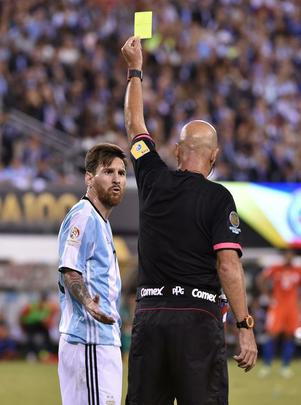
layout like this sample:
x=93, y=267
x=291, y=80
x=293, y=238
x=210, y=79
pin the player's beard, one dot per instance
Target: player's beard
x=108, y=198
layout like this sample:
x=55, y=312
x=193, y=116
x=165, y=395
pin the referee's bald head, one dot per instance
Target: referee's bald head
x=198, y=147
x=199, y=134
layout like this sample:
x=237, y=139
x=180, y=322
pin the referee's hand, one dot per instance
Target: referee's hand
x=247, y=357
x=93, y=308
x=132, y=53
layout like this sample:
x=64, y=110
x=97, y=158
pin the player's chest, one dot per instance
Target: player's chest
x=287, y=280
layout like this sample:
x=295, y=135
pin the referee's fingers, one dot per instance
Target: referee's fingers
x=251, y=363
x=240, y=357
x=246, y=359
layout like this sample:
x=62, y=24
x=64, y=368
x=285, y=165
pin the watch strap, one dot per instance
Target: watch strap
x=135, y=73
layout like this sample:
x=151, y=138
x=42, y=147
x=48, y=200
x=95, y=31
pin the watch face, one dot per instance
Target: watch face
x=249, y=321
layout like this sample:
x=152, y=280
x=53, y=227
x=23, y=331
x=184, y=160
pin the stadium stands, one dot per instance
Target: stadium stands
x=232, y=62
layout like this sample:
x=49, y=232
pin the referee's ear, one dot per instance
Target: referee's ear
x=214, y=156
x=177, y=152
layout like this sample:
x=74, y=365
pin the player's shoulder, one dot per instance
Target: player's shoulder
x=78, y=221
x=83, y=208
x=81, y=213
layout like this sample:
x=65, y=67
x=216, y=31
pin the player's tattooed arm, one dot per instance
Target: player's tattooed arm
x=76, y=286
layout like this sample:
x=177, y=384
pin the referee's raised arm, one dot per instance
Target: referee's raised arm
x=133, y=108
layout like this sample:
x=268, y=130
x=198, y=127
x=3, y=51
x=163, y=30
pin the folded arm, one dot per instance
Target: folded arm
x=74, y=282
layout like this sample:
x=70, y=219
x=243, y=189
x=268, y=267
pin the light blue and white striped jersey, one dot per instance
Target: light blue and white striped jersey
x=86, y=245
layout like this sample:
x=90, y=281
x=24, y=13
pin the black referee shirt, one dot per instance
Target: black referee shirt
x=184, y=220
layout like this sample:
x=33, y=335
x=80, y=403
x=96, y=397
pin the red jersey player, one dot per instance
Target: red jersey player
x=283, y=311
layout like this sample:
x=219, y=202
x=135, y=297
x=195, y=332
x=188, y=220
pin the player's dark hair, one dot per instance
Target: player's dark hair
x=103, y=154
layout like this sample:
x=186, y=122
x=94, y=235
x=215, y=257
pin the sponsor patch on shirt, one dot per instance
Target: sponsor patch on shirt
x=234, y=221
x=139, y=149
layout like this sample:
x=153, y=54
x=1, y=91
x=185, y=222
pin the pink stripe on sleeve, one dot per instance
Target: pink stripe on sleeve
x=227, y=245
x=142, y=136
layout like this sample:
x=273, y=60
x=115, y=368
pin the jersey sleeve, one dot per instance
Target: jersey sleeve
x=76, y=241
x=226, y=225
x=146, y=161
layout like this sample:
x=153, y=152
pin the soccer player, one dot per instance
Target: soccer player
x=188, y=247
x=90, y=366
x=283, y=311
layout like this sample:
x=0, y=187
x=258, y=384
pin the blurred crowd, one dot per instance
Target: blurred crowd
x=235, y=63
x=30, y=330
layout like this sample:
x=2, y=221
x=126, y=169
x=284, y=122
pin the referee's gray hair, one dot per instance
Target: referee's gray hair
x=103, y=154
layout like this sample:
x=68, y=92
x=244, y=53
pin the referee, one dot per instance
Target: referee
x=188, y=249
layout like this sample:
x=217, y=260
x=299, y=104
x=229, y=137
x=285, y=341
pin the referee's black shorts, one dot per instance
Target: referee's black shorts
x=177, y=352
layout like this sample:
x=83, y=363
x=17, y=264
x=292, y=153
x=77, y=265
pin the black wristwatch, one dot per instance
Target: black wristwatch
x=135, y=73
x=247, y=322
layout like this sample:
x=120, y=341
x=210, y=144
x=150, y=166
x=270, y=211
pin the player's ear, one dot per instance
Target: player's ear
x=88, y=179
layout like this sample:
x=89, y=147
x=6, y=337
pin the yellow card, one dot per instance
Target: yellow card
x=143, y=24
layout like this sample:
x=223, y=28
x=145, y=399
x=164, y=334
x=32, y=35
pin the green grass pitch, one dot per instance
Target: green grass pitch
x=37, y=384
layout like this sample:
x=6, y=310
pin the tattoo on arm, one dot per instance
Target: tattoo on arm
x=75, y=284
